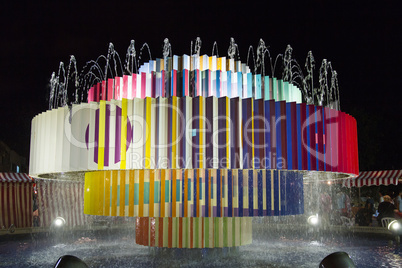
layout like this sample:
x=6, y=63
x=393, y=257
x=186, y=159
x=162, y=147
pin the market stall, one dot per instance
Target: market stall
x=16, y=200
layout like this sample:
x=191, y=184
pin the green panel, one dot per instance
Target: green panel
x=136, y=193
x=196, y=230
x=178, y=187
x=146, y=193
x=225, y=232
x=157, y=192
x=167, y=191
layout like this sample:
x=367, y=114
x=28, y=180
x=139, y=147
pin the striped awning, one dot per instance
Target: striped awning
x=15, y=177
x=372, y=178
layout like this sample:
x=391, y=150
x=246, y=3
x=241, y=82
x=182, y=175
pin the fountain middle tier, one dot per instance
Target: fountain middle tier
x=199, y=132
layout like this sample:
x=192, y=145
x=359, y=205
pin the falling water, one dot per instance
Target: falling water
x=251, y=50
x=233, y=50
x=197, y=47
x=287, y=64
x=130, y=58
x=309, y=79
x=145, y=45
x=166, y=52
x=109, y=66
x=215, y=45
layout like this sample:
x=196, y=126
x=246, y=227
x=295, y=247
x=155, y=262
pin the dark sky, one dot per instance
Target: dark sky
x=362, y=41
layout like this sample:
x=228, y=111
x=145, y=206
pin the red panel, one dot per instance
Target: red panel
x=103, y=90
x=152, y=232
x=294, y=134
x=91, y=94
x=160, y=236
x=125, y=86
x=327, y=138
x=320, y=153
x=311, y=124
x=335, y=140
x=283, y=134
x=273, y=133
x=110, y=85
x=304, y=135
x=117, y=88
x=97, y=91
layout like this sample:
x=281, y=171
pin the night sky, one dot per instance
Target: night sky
x=362, y=41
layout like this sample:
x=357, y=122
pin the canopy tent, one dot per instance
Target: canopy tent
x=16, y=191
x=374, y=178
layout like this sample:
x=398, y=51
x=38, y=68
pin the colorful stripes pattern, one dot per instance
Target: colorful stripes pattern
x=194, y=133
x=16, y=204
x=194, y=232
x=195, y=76
x=188, y=193
x=377, y=178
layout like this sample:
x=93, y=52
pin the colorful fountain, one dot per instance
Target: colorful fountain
x=192, y=146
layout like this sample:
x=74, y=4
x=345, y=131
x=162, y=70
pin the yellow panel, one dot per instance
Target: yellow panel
x=123, y=139
x=122, y=174
x=141, y=194
x=131, y=194
x=162, y=202
x=148, y=133
x=174, y=131
x=151, y=192
x=115, y=174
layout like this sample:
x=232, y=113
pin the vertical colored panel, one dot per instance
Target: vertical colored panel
x=123, y=134
x=141, y=194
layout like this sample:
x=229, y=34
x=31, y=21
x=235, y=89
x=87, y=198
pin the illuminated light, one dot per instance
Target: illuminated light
x=394, y=226
x=59, y=222
x=313, y=220
x=329, y=182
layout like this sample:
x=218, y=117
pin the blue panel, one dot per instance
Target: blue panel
x=218, y=84
x=299, y=145
x=266, y=87
x=250, y=193
x=276, y=193
x=250, y=85
x=195, y=194
x=218, y=192
x=257, y=89
x=268, y=191
x=278, y=134
x=283, y=192
x=300, y=192
x=200, y=185
x=229, y=84
x=230, y=196
x=240, y=84
x=267, y=134
x=290, y=192
x=246, y=115
x=240, y=192
x=315, y=137
x=259, y=191
x=289, y=135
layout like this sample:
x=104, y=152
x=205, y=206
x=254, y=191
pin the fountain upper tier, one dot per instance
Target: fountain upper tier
x=71, y=86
